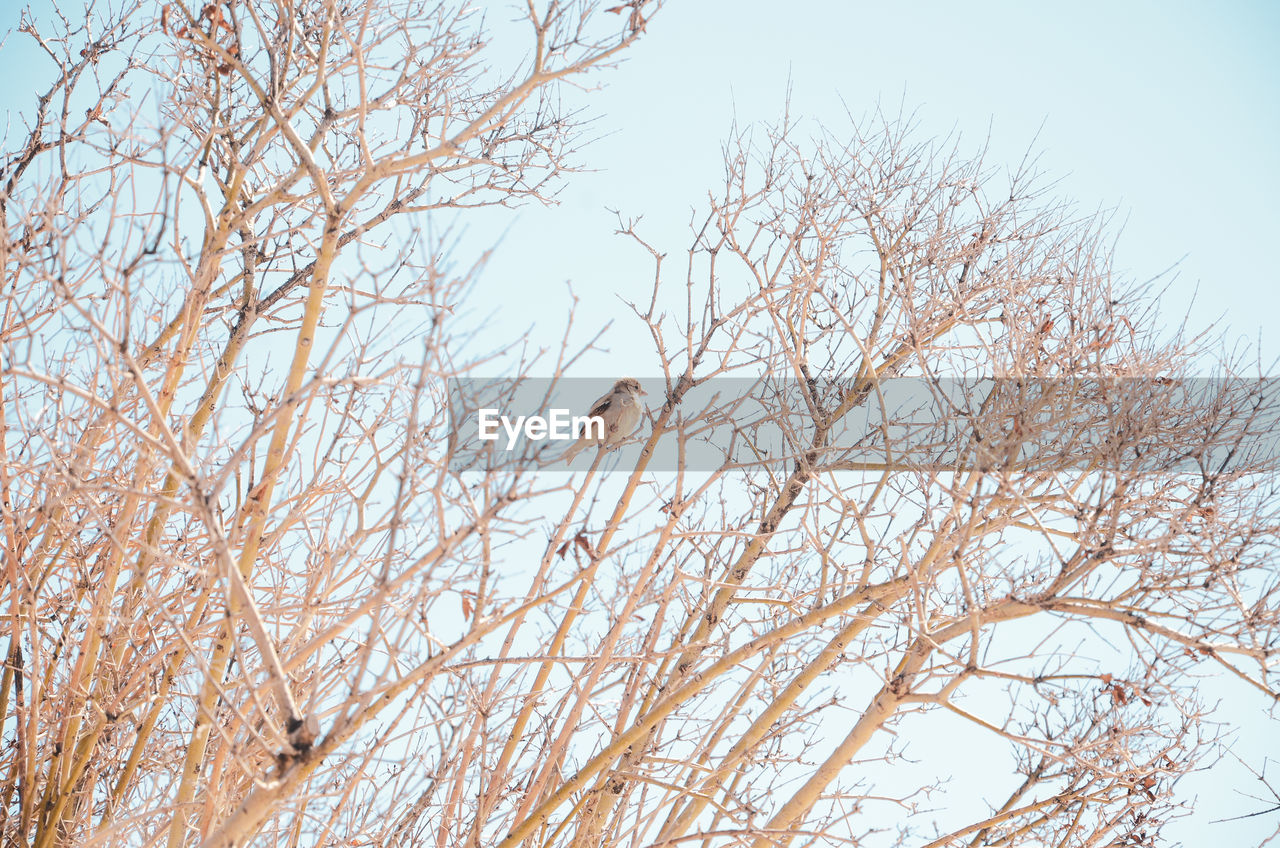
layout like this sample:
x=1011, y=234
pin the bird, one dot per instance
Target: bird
x=620, y=410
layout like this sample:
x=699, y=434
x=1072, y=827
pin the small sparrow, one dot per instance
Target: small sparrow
x=620, y=409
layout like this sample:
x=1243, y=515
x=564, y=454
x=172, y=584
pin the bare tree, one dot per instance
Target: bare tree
x=253, y=594
x=211, y=525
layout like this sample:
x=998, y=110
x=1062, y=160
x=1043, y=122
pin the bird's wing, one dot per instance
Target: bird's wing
x=601, y=404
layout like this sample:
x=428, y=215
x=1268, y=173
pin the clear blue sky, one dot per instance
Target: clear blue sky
x=1168, y=112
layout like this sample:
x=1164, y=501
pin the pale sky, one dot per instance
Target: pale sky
x=1165, y=112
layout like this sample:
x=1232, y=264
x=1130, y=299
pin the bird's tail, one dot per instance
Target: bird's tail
x=574, y=449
